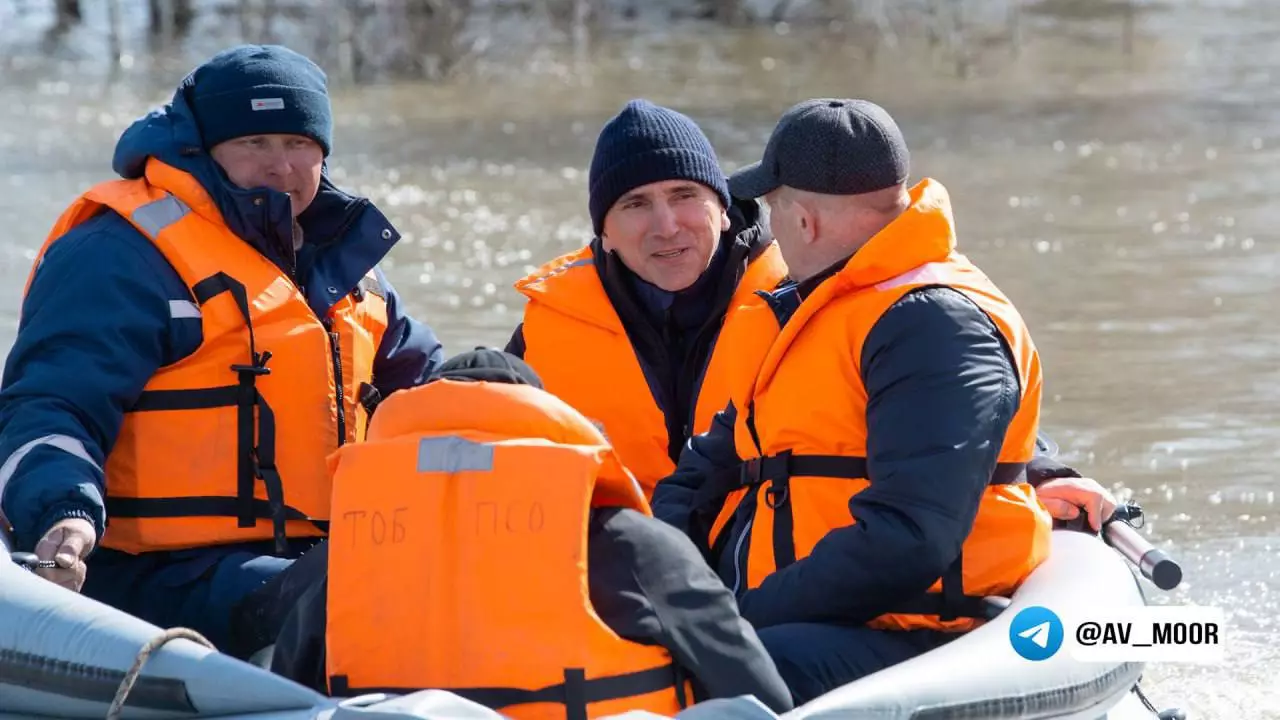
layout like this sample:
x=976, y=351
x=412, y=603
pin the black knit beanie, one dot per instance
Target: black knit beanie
x=648, y=143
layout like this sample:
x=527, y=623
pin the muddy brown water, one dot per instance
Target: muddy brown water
x=1120, y=191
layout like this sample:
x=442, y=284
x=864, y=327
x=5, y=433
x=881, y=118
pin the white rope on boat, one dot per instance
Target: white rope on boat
x=131, y=677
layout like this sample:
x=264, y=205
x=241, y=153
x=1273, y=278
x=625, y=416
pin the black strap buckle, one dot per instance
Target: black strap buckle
x=259, y=366
x=774, y=469
x=369, y=398
x=769, y=467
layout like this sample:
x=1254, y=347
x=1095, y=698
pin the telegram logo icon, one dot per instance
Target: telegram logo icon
x=1036, y=633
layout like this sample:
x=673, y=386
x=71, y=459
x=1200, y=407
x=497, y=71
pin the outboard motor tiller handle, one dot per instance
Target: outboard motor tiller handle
x=1155, y=564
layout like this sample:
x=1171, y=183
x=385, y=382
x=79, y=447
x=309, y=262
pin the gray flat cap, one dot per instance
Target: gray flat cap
x=829, y=146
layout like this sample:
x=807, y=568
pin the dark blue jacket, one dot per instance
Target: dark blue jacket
x=942, y=389
x=96, y=323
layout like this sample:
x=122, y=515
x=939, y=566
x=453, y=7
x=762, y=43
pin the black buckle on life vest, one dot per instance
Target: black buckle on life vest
x=775, y=468
x=259, y=366
x=757, y=470
x=369, y=398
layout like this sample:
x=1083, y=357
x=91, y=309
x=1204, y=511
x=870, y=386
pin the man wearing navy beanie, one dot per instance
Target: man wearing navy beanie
x=645, y=144
x=197, y=336
x=625, y=328
x=252, y=95
x=260, y=90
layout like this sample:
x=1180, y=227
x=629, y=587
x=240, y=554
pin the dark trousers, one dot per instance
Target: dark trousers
x=197, y=589
x=815, y=659
x=257, y=620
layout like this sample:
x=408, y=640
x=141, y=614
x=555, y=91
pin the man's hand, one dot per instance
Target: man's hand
x=1065, y=497
x=67, y=543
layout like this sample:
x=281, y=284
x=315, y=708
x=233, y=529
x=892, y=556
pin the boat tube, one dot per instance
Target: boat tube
x=64, y=655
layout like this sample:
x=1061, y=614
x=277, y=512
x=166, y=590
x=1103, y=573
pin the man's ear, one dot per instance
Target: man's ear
x=724, y=220
x=807, y=219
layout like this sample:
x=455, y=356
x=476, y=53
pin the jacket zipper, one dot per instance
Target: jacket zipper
x=335, y=344
x=335, y=339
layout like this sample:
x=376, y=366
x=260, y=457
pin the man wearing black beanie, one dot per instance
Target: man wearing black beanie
x=196, y=336
x=625, y=328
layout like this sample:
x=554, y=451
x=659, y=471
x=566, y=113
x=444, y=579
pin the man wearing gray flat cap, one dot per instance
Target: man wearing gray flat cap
x=885, y=416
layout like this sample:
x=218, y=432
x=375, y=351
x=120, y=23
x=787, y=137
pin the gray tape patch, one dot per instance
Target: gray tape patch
x=453, y=454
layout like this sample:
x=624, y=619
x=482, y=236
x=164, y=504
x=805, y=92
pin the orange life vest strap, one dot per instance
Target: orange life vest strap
x=777, y=470
x=256, y=456
x=575, y=693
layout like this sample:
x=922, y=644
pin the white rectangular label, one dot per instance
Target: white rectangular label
x=267, y=103
x=1154, y=634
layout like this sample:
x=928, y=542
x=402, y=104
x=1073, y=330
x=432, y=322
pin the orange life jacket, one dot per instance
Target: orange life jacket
x=803, y=432
x=228, y=444
x=576, y=342
x=457, y=558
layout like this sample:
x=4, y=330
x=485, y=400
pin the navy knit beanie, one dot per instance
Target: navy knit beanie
x=647, y=143
x=259, y=90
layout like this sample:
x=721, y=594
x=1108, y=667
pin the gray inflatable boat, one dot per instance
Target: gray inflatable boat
x=65, y=656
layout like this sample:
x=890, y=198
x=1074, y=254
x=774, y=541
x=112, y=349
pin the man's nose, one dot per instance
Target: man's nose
x=664, y=221
x=277, y=162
